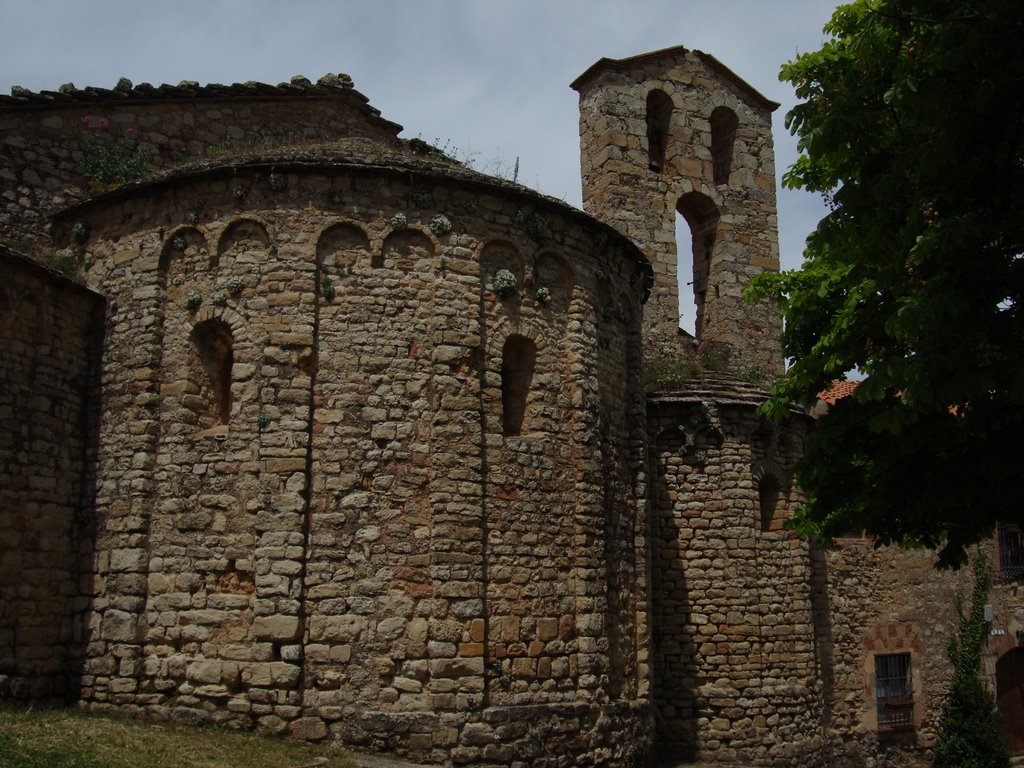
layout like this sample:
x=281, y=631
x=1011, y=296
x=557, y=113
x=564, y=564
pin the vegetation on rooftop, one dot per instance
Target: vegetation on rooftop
x=669, y=367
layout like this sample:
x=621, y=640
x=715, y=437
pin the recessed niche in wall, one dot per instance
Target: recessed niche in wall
x=518, y=358
x=341, y=247
x=552, y=273
x=768, y=494
x=407, y=250
x=184, y=251
x=211, y=360
x=723, y=136
x=243, y=236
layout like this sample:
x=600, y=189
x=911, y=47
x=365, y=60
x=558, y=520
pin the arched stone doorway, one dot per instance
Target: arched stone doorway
x=1010, y=697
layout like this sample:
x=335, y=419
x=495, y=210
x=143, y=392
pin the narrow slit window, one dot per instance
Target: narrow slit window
x=517, y=363
x=659, y=125
x=723, y=136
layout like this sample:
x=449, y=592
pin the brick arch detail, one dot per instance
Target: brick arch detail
x=167, y=248
x=885, y=638
x=232, y=319
x=237, y=223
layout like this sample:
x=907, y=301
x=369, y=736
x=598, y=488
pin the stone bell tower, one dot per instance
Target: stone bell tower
x=676, y=131
x=733, y=668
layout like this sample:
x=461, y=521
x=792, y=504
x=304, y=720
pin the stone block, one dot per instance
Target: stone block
x=455, y=668
x=275, y=627
x=308, y=729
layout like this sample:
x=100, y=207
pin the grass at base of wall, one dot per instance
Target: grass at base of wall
x=72, y=738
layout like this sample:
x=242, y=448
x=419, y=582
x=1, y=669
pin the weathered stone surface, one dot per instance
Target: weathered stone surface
x=50, y=335
x=275, y=627
x=653, y=151
x=295, y=484
x=367, y=457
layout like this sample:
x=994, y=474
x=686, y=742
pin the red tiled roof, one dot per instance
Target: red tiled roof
x=837, y=391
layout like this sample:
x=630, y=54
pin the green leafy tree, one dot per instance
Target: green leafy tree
x=971, y=737
x=911, y=125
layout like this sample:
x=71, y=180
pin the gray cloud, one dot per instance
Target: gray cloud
x=491, y=78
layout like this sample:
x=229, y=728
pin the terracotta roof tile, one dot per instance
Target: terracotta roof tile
x=838, y=390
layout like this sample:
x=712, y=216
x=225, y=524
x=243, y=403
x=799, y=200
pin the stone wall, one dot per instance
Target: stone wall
x=349, y=491
x=882, y=601
x=1004, y=660
x=368, y=457
x=46, y=137
x=675, y=131
x=732, y=614
x=52, y=337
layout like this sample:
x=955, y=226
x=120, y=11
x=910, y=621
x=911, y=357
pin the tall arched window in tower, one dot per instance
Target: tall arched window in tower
x=517, y=362
x=212, y=359
x=701, y=216
x=723, y=136
x=659, y=125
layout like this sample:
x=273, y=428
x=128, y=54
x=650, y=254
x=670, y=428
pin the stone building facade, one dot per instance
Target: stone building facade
x=344, y=440
x=52, y=332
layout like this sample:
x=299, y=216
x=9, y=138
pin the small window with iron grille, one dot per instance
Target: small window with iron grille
x=1011, y=551
x=894, y=692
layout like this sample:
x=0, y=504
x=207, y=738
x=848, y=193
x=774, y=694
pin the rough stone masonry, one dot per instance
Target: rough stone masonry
x=343, y=440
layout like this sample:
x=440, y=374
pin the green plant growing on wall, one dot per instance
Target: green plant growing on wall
x=110, y=162
x=664, y=371
x=755, y=374
x=424, y=198
x=534, y=224
x=66, y=262
x=80, y=232
x=328, y=289
x=218, y=149
x=971, y=735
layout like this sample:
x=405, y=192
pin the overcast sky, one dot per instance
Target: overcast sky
x=489, y=78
